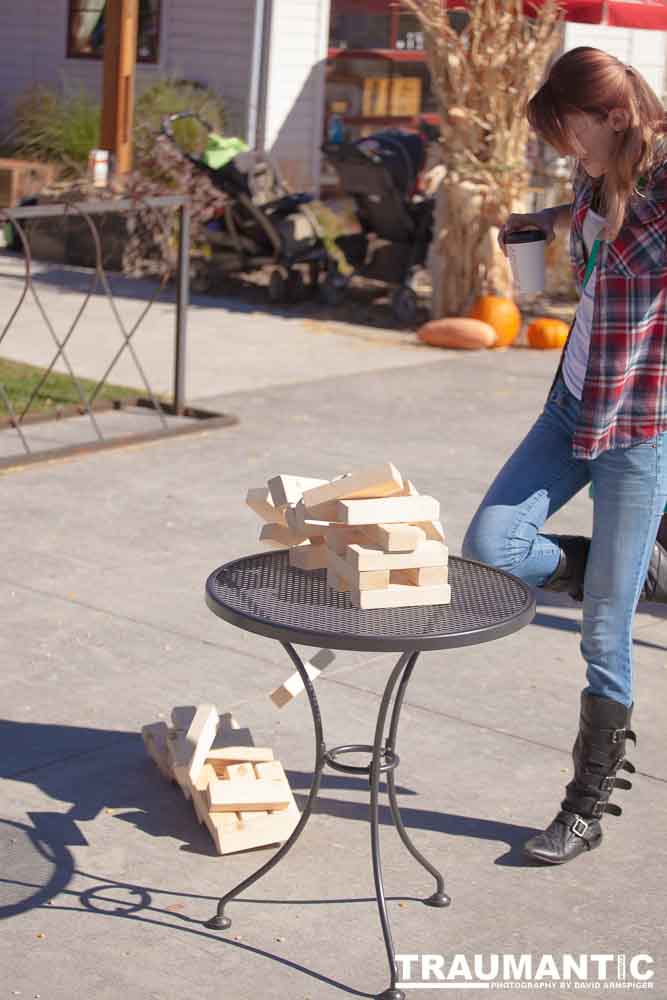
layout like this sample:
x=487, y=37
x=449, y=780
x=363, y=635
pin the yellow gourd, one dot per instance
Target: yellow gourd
x=547, y=333
x=502, y=314
x=457, y=332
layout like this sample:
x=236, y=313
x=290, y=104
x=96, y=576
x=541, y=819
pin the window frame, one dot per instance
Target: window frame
x=71, y=53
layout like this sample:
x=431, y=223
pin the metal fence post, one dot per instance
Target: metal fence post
x=182, y=301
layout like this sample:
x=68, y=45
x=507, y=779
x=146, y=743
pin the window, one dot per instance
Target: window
x=359, y=30
x=85, y=30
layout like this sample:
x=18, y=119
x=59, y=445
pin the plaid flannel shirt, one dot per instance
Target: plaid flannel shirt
x=624, y=397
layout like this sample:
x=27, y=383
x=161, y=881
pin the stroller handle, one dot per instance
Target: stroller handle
x=167, y=122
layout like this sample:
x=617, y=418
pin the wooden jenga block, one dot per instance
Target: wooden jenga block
x=429, y=553
x=281, y=535
x=289, y=489
x=182, y=716
x=377, y=481
x=198, y=791
x=391, y=509
x=259, y=499
x=231, y=733
x=335, y=582
x=296, y=519
x=310, y=556
x=433, y=530
x=409, y=489
x=427, y=576
x=394, y=537
x=245, y=796
x=293, y=686
x=178, y=754
x=200, y=737
x=233, y=832
x=399, y=596
x=155, y=741
x=372, y=580
x=219, y=757
x=339, y=536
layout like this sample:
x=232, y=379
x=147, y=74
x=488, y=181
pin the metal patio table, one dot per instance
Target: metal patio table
x=264, y=594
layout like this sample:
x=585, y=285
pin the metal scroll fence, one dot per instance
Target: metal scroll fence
x=88, y=400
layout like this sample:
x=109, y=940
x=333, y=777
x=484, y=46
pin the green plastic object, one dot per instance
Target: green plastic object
x=220, y=150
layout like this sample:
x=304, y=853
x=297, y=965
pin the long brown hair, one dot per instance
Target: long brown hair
x=590, y=80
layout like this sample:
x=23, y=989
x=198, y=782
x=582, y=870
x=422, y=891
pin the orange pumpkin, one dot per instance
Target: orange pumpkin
x=502, y=314
x=546, y=333
x=458, y=332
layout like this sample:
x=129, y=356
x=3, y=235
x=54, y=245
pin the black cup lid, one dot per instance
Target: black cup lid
x=525, y=236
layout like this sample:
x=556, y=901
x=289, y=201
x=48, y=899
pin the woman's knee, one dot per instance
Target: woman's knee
x=486, y=540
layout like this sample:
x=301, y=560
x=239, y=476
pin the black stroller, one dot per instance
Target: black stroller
x=262, y=223
x=380, y=172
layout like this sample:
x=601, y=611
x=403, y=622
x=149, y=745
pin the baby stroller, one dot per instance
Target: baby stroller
x=262, y=223
x=380, y=172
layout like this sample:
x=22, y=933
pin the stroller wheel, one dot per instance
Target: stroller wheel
x=404, y=306
x=277, y=287
x=333, y=288
x=296, y=286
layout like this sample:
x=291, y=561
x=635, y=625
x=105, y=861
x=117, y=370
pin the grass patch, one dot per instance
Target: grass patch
x=19, y=381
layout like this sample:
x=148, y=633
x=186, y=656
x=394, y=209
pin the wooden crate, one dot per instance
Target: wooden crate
x=22, y=179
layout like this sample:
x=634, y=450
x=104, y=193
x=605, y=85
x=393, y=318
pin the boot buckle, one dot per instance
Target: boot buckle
x=607, y=784
x=579, y=826
x=598, y=809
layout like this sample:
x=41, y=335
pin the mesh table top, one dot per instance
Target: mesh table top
x=264, y=594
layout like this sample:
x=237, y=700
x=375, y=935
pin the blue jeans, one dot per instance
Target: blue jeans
x=630, y=489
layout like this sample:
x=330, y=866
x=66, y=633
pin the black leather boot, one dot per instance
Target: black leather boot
x=598, y=754
x=569, y=574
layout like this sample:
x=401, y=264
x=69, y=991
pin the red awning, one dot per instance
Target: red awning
x=650, y=14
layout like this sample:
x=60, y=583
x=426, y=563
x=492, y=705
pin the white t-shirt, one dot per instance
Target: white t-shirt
x=576, y=355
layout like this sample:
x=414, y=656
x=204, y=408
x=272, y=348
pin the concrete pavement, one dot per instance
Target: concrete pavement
x=107, y=876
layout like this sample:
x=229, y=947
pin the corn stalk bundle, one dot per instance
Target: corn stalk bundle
x=482, y=79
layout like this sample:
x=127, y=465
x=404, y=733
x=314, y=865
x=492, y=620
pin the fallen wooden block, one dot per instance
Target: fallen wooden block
x=377, y=481
x=363, y=558
x=234, y=832
x=400, y=596
x=409, y=489
x=200, y=737
x=338, y=583
x=394, y=537
x=259, y=499
x=293, y=686
x=221, y=756
x=198, y=792
x=289, y=489
x=391, y=509
x=237, y=796
x=433, y=530
x=182, y=716
x=297, y=521
x=310, y=556
x=155, y=741
x=427, y=576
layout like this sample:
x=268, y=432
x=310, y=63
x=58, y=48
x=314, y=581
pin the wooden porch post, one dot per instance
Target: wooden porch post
x=120, y=52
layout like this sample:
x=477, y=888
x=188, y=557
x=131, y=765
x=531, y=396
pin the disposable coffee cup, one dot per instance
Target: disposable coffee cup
x=525, y=248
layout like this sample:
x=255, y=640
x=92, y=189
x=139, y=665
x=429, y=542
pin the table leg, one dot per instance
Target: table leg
x=220, y=921
x=439, y=897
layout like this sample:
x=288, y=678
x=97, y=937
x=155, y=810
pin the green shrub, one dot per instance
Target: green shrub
x=168, y=97
x=55, y=127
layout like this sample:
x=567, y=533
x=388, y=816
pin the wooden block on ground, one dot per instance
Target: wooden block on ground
x=155, y=741
x=200, y=737
x=259, y=499
x=399, y=596
x=177, y=751
x=308, y=557
x=377, y=481
x=280, y=534
x=220, y=756
x=231, y=734
x=198, y=792
x=371, y=580
x=237, y=796
x=394, y=537
x=363, y=558
x=409, y=489
x=289, y=489
x=255, y=829
x=182, y=716
x=427, y=576
x=391, y=509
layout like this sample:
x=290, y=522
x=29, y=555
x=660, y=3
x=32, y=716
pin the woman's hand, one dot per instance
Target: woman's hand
x=543, y=220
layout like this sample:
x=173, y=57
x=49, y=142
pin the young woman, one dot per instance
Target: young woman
x=605, y=417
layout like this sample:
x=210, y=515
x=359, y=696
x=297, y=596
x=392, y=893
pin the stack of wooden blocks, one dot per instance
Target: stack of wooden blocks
x=237, y=789
x=377, y=537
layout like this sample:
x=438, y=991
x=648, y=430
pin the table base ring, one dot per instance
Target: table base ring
x=390, y=759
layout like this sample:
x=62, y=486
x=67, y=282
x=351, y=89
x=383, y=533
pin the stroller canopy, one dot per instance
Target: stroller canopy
x=402, y=153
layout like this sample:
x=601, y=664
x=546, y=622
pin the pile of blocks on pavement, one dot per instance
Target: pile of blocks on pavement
x=237, y=789
x=379, y=540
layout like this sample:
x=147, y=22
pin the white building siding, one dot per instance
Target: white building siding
x=295, y=88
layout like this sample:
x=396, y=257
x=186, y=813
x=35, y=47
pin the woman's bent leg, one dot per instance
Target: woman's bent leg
x=536, y=481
